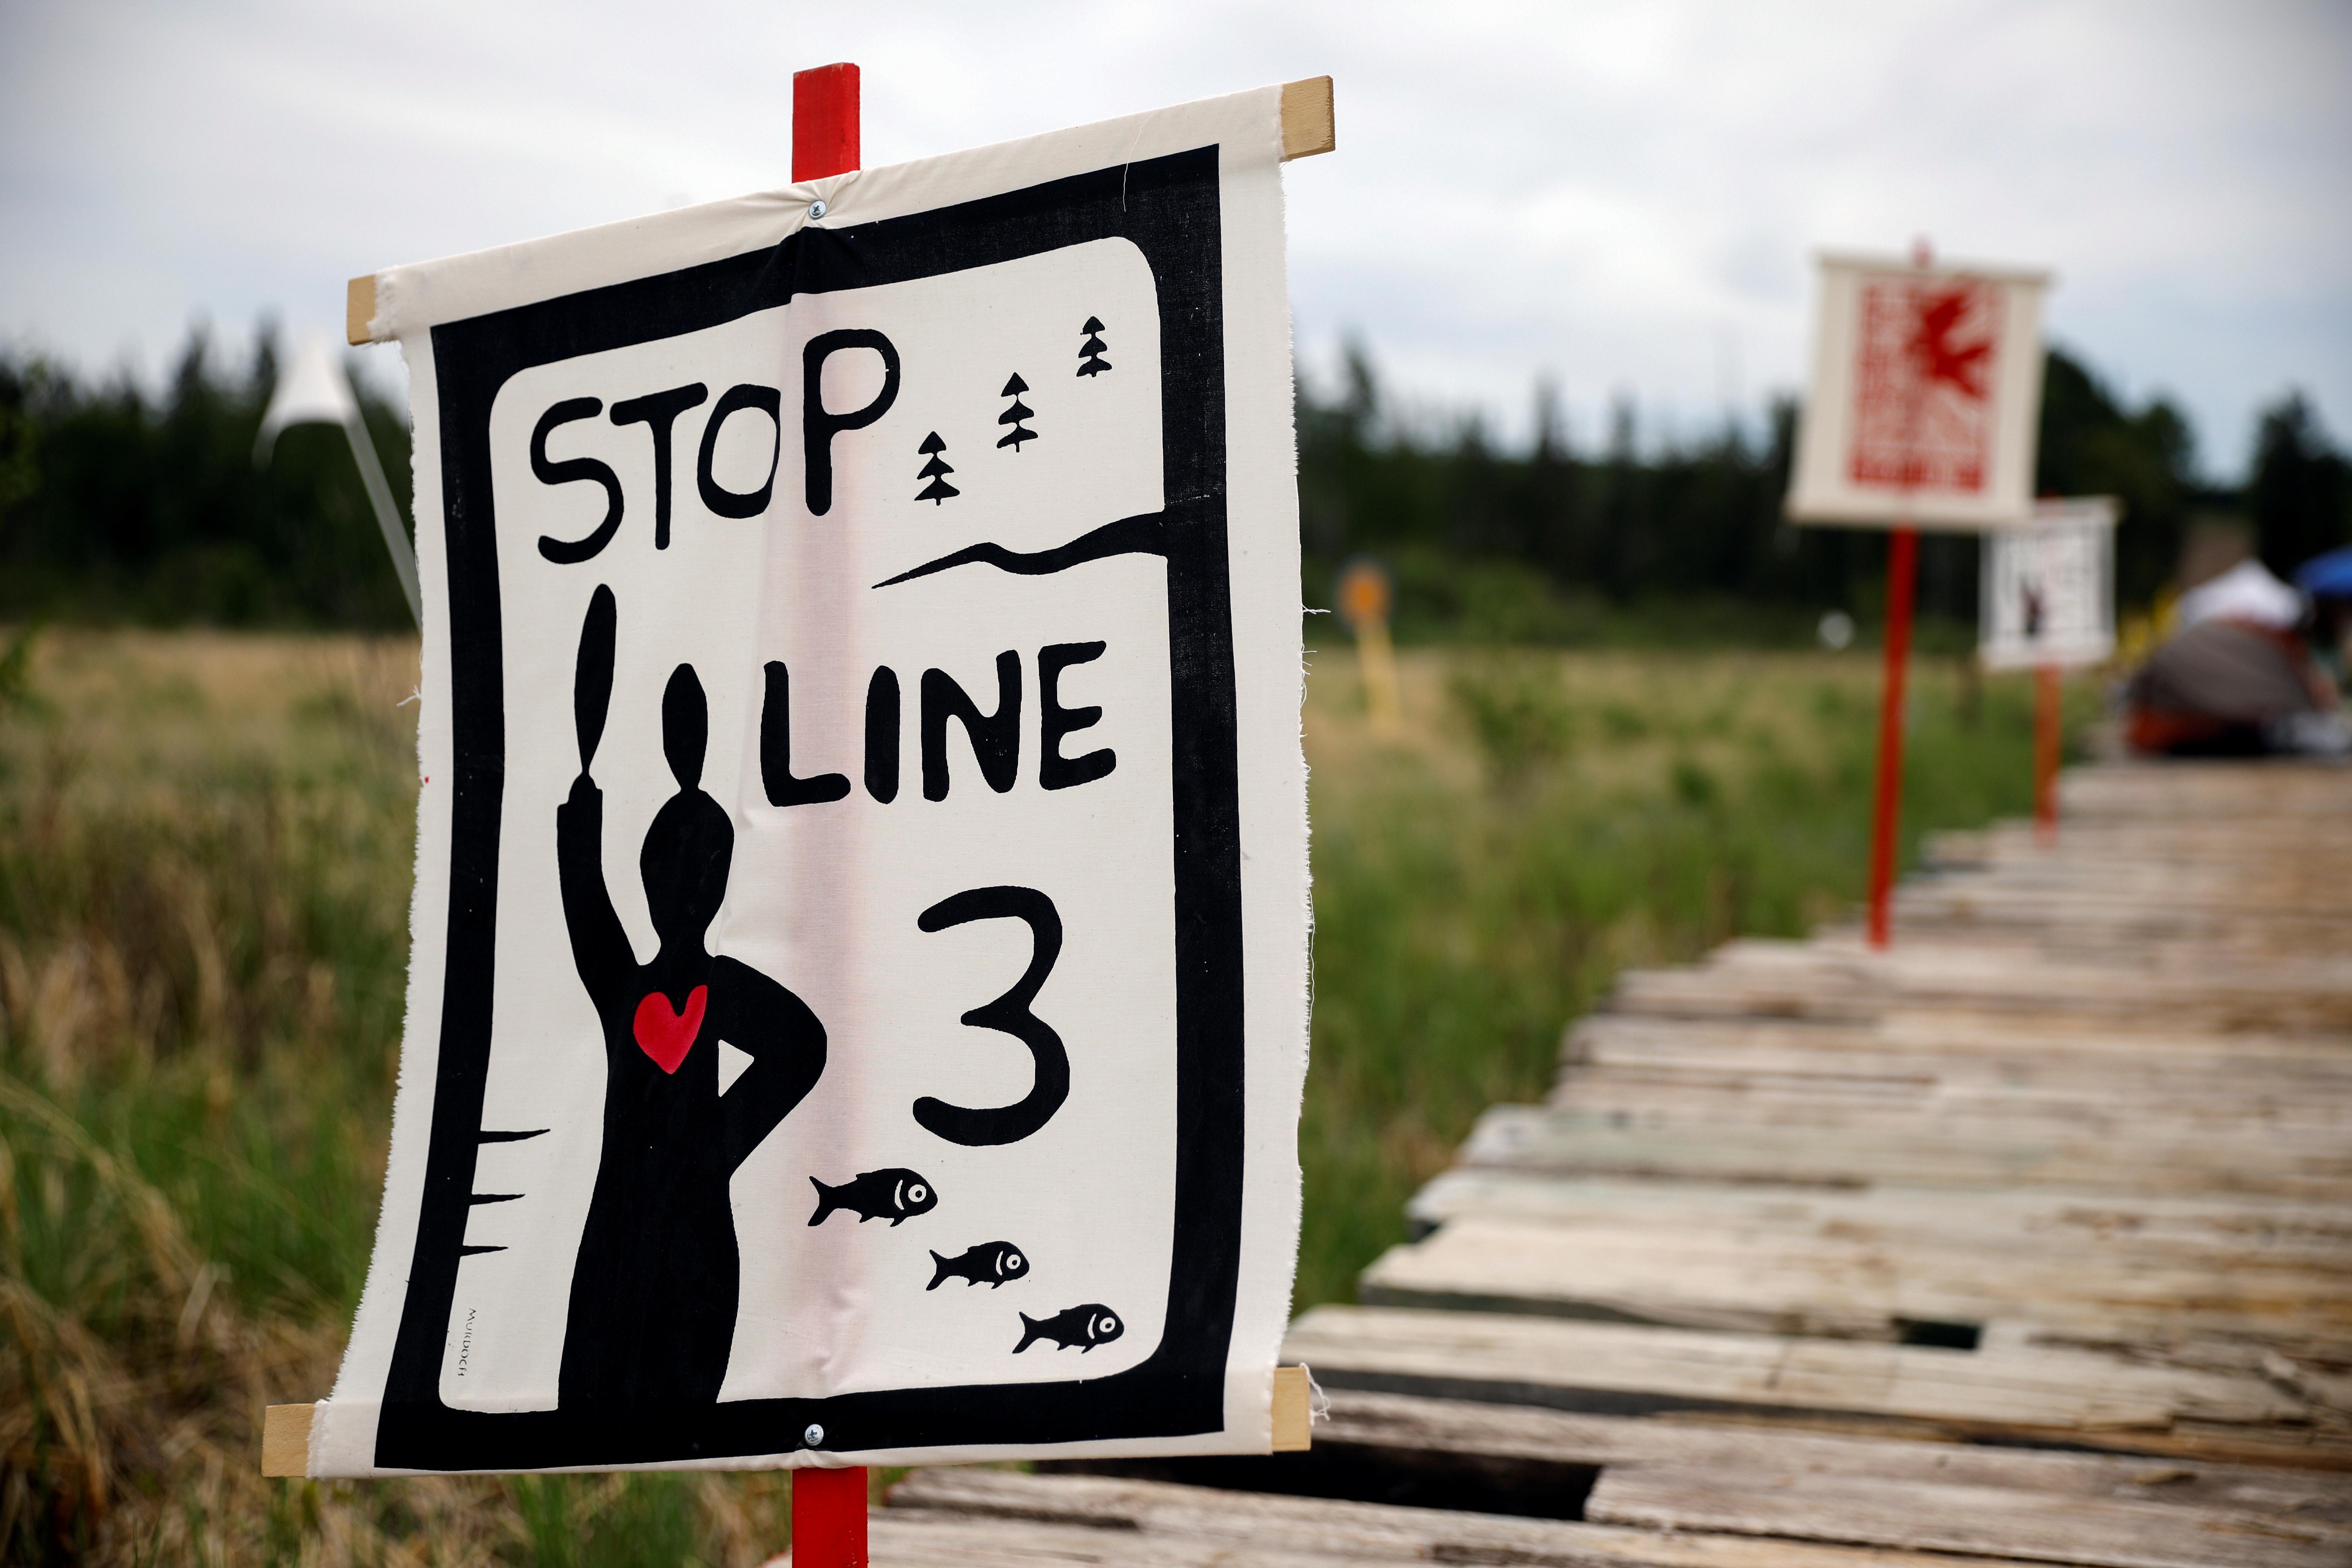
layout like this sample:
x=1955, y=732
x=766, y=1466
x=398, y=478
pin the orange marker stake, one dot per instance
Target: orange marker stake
x=2046, y=737
x=1364, y=605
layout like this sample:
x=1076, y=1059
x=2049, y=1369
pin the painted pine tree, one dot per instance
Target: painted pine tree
x=1015, y=415
x=935, y=470
x=1090, y=352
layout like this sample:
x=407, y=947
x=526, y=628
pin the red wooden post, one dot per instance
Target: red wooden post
x=1902, y=576
x=829, y=1518
x=2046, y=725
x=824, y=122
x=828, y=1505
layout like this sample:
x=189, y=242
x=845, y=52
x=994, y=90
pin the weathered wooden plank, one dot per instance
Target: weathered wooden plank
x=2225, y=1230
x=940, y=1515
x=2278, y=1273
x=1673, y=995
x=1395, y=1424
x=1985, y=1155
x=2050, y=1395
x=1988, y=1502
x=2272, y=1119
x=1953, y=1046
x=1832, y=985
x=2127, y=1532
x=1851, y=1282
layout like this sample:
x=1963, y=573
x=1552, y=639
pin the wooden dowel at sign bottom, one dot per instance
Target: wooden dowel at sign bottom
x=286, y=1440
x=286, y=1428
x=1294, y=1416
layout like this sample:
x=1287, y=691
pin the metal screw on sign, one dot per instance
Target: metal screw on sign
x=814, y=1435
x=816, y=211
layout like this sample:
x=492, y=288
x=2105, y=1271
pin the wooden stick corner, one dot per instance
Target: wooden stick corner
x=359, y=309
x=1294, y=1420
x=1307, y=124
x=286, y=1440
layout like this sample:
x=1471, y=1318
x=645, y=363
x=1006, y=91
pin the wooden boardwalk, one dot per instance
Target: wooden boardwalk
x=2029, y=1242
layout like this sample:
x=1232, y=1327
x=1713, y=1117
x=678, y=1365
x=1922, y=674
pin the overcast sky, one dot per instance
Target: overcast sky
x=1623, y=197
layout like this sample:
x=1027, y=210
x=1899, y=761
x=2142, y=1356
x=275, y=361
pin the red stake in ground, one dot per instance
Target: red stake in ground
x=2046, y=730
x=828, y=1505
x=1902, y=576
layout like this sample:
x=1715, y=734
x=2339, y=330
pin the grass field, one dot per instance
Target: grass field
x=206, y=845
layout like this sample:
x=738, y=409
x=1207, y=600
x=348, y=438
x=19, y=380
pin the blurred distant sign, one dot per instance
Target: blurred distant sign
x=2049, y=588
x=1927, y=387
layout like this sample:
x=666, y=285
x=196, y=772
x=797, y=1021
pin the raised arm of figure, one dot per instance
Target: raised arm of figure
x=600, y=945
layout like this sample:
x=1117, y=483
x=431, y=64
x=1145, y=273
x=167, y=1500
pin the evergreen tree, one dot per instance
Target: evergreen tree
x=1091, y=351
x=935, y=470
x=2302, y=491
x=1015, y=415
x=2091, y=445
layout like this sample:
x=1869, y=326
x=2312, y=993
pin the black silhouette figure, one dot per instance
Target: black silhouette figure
x=935, y=470
x=1090, y=352
x=1015, y=415
x=2033, y=611
x=654, y=1293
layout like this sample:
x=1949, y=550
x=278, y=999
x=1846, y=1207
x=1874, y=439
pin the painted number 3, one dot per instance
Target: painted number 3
x=1009, y=1013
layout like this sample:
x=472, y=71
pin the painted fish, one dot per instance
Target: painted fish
x=991, y=1263
x=894, y=1194
x=1087, y=1326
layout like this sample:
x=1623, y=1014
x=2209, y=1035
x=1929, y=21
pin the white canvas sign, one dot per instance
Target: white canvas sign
x=857, y=999
x=1926, y=392
x=2049, y=588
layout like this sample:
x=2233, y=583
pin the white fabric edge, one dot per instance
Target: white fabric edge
x=1262, y=517
x=416, y=297
x=343, y=1427
x=1263, y=548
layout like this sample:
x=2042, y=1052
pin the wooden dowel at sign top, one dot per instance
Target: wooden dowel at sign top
x=286, y=1428
x=359, y=310
x=1307, y=124
x=1307, y=129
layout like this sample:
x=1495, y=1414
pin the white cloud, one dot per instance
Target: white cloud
x=1622, y=196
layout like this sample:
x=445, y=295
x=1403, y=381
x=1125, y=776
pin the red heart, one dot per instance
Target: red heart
x=665, y=1036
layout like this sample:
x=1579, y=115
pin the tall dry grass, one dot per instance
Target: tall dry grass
x=204, y=863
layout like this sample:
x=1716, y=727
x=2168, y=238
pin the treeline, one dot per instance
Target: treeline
x=1686, y=539
x=116, y=504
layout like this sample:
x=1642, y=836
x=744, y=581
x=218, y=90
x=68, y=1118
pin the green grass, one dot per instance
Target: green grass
x=1549, y=819
x=206, y=846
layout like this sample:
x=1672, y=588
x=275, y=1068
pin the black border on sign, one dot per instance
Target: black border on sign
x=1169, y=207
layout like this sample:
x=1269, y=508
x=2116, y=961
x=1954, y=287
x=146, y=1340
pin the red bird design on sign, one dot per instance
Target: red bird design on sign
x=1922, y=402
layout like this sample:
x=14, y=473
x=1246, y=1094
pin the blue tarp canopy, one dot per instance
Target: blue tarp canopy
x=2327, y=576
